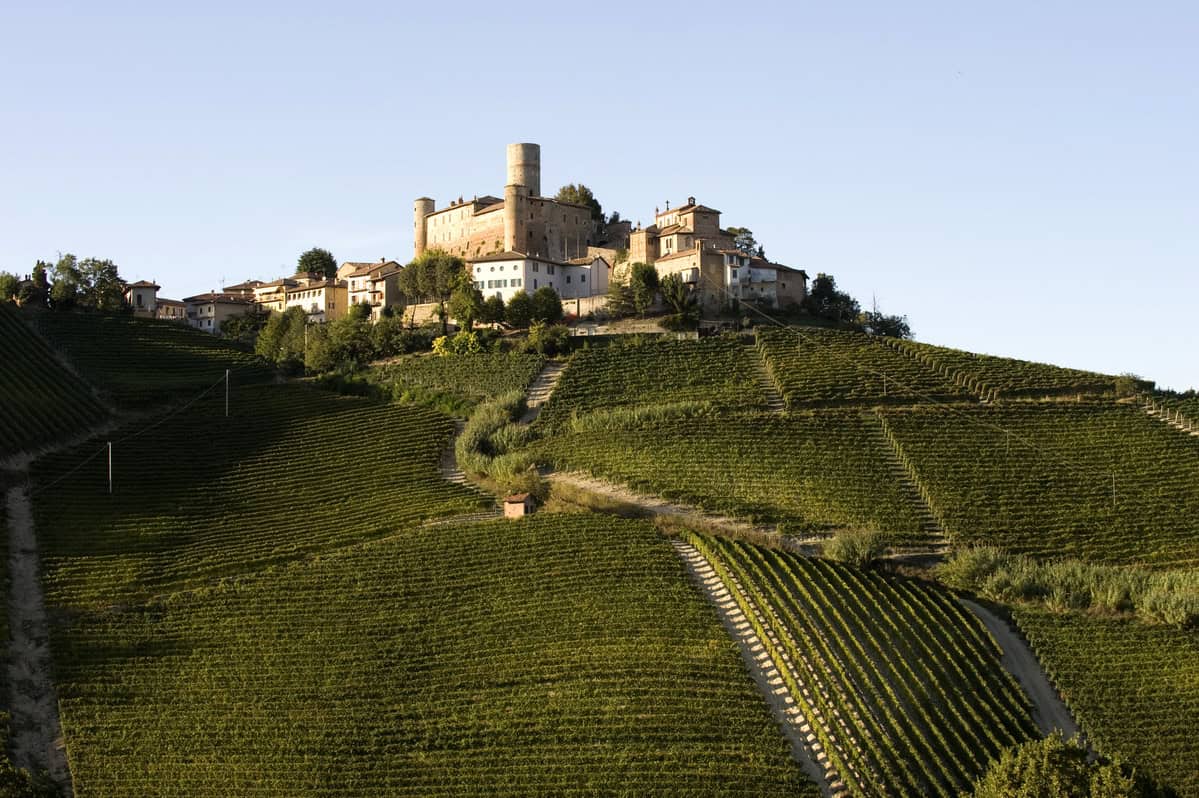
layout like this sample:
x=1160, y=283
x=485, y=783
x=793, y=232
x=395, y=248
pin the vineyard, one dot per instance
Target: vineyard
x=715, y=370
x=901, y=686
x=994, y=378
x=1133, y=688
x=1100, y=482
x=814, y=367
x=42, y=401
x=142, y=361
x=573, y=658
x=814, y=470
x=292, y=471
x=467, y=378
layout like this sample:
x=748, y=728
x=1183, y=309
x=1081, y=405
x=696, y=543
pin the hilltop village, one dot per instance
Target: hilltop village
x=517, y=243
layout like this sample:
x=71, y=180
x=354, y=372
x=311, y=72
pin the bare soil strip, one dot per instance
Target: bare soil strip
x=541, y=389
x=1047, y=708
x=805, y=749
x=37, y=742
x=1172, y=421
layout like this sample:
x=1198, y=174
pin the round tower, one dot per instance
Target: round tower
x=524, y=167
x=420, y=237
x=515, y=210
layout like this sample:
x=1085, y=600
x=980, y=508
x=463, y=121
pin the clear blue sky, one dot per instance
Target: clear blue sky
x=1018, y=178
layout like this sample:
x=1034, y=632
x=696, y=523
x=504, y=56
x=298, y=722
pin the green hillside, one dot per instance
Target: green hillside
x=1133, y=688
x=715, y=370
x=814, y=367
x=562, y=655
x=902, y=686
x=1006, y=378
x=291, y=471
x=1098, y=481
x=42, y=401
x=467, y=379
x=810, y=470
x=143, y=361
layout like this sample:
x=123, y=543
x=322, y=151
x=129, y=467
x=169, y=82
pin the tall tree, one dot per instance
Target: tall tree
x=64, y=291
x=101, y=285
x=547, y=305
x=680, y=299
x=9, y=285
x=320, y=261
x=579, y=194
x=520, y=310
x=643, y=282
x=466, y=305
x=743, y=240
x=825, y=301
x=433, y=277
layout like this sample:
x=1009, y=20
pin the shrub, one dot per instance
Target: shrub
x=856, y=546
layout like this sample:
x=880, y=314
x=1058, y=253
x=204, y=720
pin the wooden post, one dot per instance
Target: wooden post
x=226, y=393
x=110, y=468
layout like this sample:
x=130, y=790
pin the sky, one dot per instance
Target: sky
x=1019, y=179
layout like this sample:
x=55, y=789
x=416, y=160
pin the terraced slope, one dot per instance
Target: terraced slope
x=557, y=655
x=902, y=686
x=466, y=378
x=815, y=367
x=813, y=470
x=1005, y=378
x=292, y=471
x=1134, y=688
x=714, y=370
x=42, y=401
x=143, y=361
x=1101, y=482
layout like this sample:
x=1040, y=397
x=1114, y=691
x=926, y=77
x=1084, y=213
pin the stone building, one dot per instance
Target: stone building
x=689, y=241
x=506, y=273
x=208, y=311
x=374, y=284
x=522, y=221
x=322, y=300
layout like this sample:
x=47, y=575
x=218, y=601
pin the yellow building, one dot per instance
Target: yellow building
x=324, y=300
x=374, y=284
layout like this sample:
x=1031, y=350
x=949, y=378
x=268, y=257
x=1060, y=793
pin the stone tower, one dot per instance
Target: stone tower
x=516, y=214
x=524, y=168
x=421, y=208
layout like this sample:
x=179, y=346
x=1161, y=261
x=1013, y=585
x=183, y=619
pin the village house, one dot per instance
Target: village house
x=323, y=300
x=142, y=296
x=688, y=241
x=375, y=284
x=170, y=310
x=272, y=296
x=506, y=273
x=208, y=311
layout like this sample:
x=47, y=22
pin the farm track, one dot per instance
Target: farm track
x=805, y=748
x=1048, y=709
x=37, y=742
x=541, y=389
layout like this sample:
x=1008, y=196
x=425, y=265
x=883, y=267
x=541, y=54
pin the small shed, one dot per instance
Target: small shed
x=519, y=505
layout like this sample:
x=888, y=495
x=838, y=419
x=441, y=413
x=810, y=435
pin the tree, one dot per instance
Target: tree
x=643, y=282
x=581, y=195
x=744, y=241
x=681, y=301
x=466, y=305
x=101, y=286
x=281, y=340
x=877, y=323
x=493, y=310
x=318, y=260
x=246, y=327
x=432, y=277
x=547, y=339
x=1059, y=768
x=9, y=285
x=620, y=298
x=547, y=305
x=825, y=301
x=64, y=291
x=520, y=310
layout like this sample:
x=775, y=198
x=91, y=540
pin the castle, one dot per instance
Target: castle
x=525, y=241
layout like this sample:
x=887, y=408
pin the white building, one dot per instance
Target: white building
x=142, y=296
x=505, y=273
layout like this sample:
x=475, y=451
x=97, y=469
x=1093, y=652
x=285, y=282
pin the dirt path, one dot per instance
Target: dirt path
x=37, y=738
x=1047, y=708
x=805, y=749
x=448, y=466
x=540, y=390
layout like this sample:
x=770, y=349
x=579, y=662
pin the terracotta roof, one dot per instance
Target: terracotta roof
x=683, y=254
x=670, y=228
x=163, y=301
x=143, y=284
x=331, y=282
x=516, y=498
x=689, y=208
x=246, y=286
x=367, y=268
x=285, y=282
x=232, y=299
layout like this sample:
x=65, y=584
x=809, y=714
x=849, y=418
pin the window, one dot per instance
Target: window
x=493, y=268
x=139, y=300
x=582, y=278
x=534, y=283
x=568, y=278
x=536, y=267
x=549, y=269
x=516, y=283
